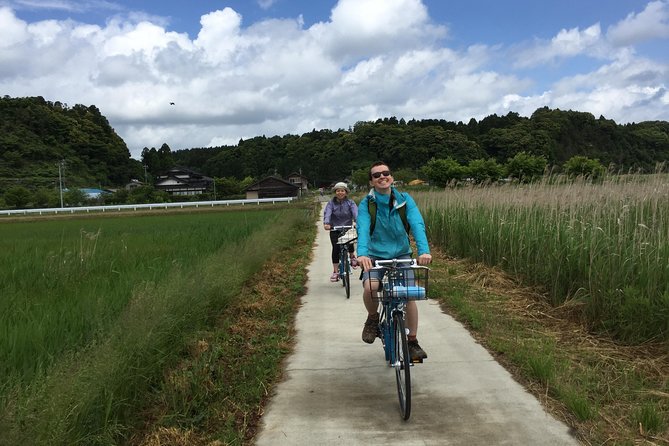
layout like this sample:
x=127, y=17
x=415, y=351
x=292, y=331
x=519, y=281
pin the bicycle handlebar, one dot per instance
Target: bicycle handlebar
x=340, y=228
x=378, y=264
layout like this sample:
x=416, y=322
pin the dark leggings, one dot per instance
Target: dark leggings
x=334, y=235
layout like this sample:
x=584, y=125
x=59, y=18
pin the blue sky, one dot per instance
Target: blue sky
x=238, y=69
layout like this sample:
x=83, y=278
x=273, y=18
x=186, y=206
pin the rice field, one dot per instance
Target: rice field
x=601, y=247
x=64, y=282
x=94, y=309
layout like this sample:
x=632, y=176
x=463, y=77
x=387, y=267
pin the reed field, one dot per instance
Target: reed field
x=602, y=248
x=94, y=309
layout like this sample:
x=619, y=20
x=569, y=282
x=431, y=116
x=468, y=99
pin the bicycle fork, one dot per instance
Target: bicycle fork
x=388, y=334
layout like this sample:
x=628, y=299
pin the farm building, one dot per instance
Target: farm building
x=300, y=180
x=272, y=187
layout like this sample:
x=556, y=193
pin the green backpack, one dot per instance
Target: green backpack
x=371, y=207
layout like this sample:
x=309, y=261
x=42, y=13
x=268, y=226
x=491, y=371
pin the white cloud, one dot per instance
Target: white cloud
x=377, y=17
x=12, y=30
x=616, y=88
x=372, y=59
x=219, y=37
x=143, y=37
x=573, y=41
x=625, y=90
x=362, y=72
x=67, y=5
x=360, y=28
x=652, y=22
x=266, y=4
x=567, y=43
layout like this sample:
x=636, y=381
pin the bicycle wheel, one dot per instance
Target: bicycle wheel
x=347, y=275
x=342, y=265
x=402, y=365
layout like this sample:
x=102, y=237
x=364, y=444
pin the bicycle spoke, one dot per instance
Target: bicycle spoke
x=402, y=365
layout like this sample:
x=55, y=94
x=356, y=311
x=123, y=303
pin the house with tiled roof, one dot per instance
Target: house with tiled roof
x=182, y=181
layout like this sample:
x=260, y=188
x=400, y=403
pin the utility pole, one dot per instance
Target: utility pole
x=60, y=181
x=146, y=178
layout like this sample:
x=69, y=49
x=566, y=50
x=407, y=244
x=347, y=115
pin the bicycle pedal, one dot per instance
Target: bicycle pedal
x=417, y=361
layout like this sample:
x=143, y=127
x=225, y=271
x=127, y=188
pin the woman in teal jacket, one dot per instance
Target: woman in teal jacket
x=389, y=240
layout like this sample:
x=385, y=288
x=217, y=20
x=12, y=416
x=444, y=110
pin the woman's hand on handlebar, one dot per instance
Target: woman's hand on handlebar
x=424, y=259
x=365, y=262
x=327, y=227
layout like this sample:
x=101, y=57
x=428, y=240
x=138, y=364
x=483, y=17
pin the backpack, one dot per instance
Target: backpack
x=371, y=207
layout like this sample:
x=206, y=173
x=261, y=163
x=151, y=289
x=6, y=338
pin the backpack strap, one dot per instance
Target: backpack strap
x=402, y=210
x=371, y=206
x=403, y=215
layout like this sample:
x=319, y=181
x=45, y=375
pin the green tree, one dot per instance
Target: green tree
x=166, y=161
x=13, y=158
x=147, y=194
x=360, y=177
x=74, y=197
x=404, y=175
x=526, y=168
x=227, y=187
x=118, y=197
x=18, y=197
x=442, y=172
x=458, y=147
x=35, y=135
x=583, y=166
x=485, y=170
x=246, y=182
x=46, y=198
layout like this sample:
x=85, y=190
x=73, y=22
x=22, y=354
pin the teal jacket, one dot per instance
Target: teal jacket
x=390, y=239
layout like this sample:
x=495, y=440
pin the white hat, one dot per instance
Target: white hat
x=340, y=185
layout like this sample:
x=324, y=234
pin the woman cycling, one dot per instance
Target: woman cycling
x=340, y=211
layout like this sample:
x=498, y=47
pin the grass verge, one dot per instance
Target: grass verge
x=608, y=393
x=215, y=395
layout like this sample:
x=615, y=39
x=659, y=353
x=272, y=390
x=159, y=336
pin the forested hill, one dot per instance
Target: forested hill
x=37, y=135
x=326, y=156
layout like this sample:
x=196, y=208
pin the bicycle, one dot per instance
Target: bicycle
x=403, y=280
x=346, y=237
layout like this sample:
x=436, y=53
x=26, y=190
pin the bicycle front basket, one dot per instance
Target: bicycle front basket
x=348, y=236
x=408, y=283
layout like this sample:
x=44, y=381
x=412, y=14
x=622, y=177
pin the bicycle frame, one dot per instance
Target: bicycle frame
x=403, y=281
x=388, y=312
x=344, y=261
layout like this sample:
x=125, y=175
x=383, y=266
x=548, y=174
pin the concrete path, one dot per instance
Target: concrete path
x=338, y=390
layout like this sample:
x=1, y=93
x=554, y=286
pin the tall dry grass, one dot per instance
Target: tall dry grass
x=604, y=246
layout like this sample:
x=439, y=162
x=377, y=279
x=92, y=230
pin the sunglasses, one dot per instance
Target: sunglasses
x=377, y=175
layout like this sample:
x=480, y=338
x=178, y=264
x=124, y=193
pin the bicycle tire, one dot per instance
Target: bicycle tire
x=347, y=274
x=342, y=269
x=402, y=365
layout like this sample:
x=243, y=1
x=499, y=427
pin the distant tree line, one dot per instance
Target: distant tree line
x=326, y=156
x=45, y=144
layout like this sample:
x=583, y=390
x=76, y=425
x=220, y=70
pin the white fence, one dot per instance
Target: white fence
x=137, y=207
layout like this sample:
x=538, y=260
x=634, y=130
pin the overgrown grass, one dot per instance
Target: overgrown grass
x=217, y=391
x=88, y=390
x=602, y=246
x=610, y=394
